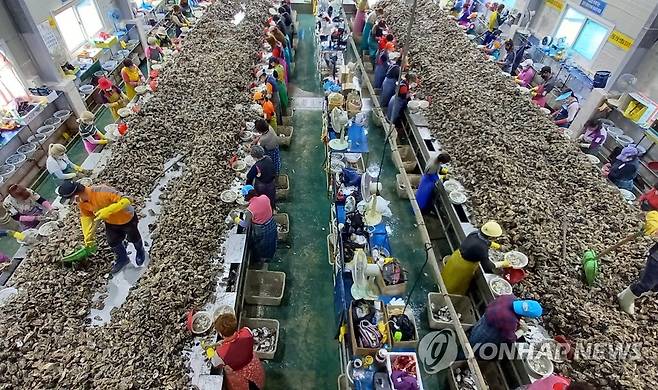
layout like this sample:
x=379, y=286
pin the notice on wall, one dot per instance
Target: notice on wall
x=596, y=6
x=621, y=40
x=49, y=37
x=557, y=4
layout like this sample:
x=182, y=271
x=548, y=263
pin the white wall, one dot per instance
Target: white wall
x=626, y=16
x=17, y=51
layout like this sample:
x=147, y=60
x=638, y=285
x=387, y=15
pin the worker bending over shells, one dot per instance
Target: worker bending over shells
x=26, y=206
x=425, y=192
x=647, y=284
x=462, y=264
x=258, y=215
x=59, y=165
x=91, y=136
x=104, y=203
x=113, y=98
x=262, y=174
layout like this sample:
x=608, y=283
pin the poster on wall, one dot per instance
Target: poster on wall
x=50, y=36
x=621, y=40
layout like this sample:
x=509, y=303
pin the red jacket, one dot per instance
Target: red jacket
x=651, y=197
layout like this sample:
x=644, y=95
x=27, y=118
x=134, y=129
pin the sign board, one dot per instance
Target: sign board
x=596, y=6
x=557, y=4
x=621, y=40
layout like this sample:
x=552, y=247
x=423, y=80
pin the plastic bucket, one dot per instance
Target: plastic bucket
x=37, y=139
x=27, y=149
x=601, y=78
x=62, y=114
x=52, y=122
x=7, y=170
x=16, y=159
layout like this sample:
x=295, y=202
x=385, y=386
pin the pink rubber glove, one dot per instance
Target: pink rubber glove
x=28, y=218
x=4, y=258
x=47, y=205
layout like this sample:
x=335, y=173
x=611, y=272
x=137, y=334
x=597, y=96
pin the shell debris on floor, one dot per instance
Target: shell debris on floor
x=47, y=341
x=518, y=169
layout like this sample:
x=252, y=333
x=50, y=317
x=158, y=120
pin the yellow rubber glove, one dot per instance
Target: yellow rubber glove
x=17, y=235
x=78, y=168
x=502, y=264
x=236, y=220
x=105, y=212
x=495, y=246
x=651, y=223
x=210, y=352
x=343, y=332
x=444, y=171
x=88, y=230
x=102, y=142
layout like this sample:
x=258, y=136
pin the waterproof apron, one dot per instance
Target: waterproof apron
x=395, y=108
x=425, y=191
x=132, y=74
x=87, y=131
x=457, y=273
x=281, y=72
x=388, y=88
x=283, y=97
x=115, y=97
x=373, y=47
x=275, y=155
x=539, y=99
x=365, y=37
x=263, y=240
x=381, y=67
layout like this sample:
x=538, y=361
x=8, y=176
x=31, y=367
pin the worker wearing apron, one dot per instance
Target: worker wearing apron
x=540, y=92
x=26, y=206
x=392, y=75
x=263, y=236
x=458, y=271
x=568, y=111
x=427, y=185
x=112, y=97
x=381, y=64
x=91, y=136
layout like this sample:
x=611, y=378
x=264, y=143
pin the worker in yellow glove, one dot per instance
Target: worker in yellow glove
x=104, y=203
x=458, y=271
x=91, y=136
x=59, y=165
x=436, y=169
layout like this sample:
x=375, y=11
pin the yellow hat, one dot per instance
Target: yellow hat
x=492, y=229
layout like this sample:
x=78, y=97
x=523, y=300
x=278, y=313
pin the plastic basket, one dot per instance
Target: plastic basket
x=252, y=323
x=462, y=304
x=282, y=187
x=282, y=226
x=414, y=180
x=408, y=158
x=285, y=135
x=264, y=287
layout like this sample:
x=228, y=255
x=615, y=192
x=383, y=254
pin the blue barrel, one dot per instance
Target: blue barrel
x=601, y=79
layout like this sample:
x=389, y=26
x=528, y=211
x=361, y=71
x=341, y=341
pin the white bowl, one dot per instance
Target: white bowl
x=629, y=196
x=545, y=110
x=16, y=160
x=451, y=185
x=86, y=89
x=156, y=66
x=124, y=112
x=624, y=140
x=141, y=89
x=523, y=90
x=457, y=197
x=62, y=114
x=239, y=166
x=516, y=259
x=593, y=159
x=201, y=322
x=499, y=286
x=48, y=228
x=228, y=196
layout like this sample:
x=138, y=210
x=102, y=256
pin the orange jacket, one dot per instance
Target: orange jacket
x=268, y=109
x=102, y=196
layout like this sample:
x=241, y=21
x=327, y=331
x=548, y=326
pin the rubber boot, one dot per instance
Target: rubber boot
x=140, y=256
x=122, y=257
x=626, y=300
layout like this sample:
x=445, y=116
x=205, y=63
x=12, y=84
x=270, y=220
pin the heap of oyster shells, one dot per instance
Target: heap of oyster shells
x=46, y=338
x=519, y=170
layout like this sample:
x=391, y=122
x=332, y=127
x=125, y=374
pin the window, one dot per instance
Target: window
x=583, y=35
x=11, y=86
x=79, y=23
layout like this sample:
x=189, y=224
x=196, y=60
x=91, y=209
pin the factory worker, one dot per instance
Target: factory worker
x=593, y=137
x=392, y=75
x=59, y=165
x=508, y=61
x=625, y=167
x=272, y=85
x=269, y=113
x=496, y=19
x=325, y=28
x=647, y=284
x=526, y=75
x=278, y=22
x=258, y=215
x=458, y=271
x=649, y=200
x=491, y=36
x=360, y=17
x=268, y=139
x=112, y=97
x=398, y=102
x=277, y=51
x=91, y=136
x=540, y=92
x=382, y=63
x=287, y=21
x=162, y=36
x=568, y=111
x=283, y=40
x=153, y=51
x=26, y=206
x=502, y=321
x=427, y=186
x=132, y=76
x=275, y=65
x=235, y=354
x=367, y=29
x=104, y=203
x=262, y=174
x=493, y=49
x=373, y=42
x=178, y=19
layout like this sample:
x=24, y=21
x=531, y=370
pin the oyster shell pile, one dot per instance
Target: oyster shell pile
x=519, y=170
x=46, y=338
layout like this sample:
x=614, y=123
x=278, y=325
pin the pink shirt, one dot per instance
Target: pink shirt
x=526, y=76
x=260, y=209
x=552, y=382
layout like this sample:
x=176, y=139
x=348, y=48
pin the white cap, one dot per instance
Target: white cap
x=527, y=63
x=394, y=55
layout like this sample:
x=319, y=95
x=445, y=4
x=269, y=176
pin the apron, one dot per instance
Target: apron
x=115, y=97
x=395, y=108
x=263, y=240
x=132, y=74
x=281, y=72
x=388, y=90
x=457, y=273
x=365, y=37
x=425, y=191
x=381, y=67
x=87, y=131
x=154, y=54
x=36, y=210
x=359, y=21
x=564, y=113
x=275, y=155
x=539, y=99
x=283, y=97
